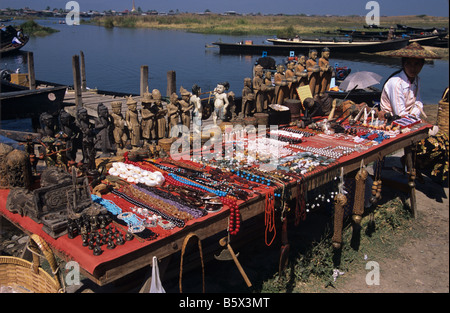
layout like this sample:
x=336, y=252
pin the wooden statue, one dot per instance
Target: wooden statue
x=269, y=94
x=258, y=81
x=88, y=138
x=72, y=135
x=185, y=107
x=326, y=71
x=48, y=125
x=197, y=108
x=161, y=124
x=119, y=125
x=281, y=85
x=291, y=79
x=313, y=72
x=221, y=103
x=248, y=98
x=301, y=72
x=132, y=119
x=147, y=118
x=173, y=114
x=103, y=125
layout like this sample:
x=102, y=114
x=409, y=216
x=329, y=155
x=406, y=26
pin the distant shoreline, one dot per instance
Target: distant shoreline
x=260, y=24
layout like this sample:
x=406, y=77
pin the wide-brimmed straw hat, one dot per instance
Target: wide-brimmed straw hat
x=414, y=50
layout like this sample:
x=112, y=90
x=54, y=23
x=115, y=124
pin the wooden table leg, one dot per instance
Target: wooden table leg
x=411, y=170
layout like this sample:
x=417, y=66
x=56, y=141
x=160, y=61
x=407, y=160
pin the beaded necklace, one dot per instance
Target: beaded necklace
x=177, y=221
x=269, y=217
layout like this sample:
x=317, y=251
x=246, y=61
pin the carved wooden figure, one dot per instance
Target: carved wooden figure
x=147, y=118
x=119, y=125
x=313, y=72
x=132, y=119
x=326, y=71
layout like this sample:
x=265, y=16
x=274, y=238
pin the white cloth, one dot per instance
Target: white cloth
x=402, y=97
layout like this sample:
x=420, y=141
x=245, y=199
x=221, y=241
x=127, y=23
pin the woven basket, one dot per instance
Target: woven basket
x=443, y=113
x=28, y=277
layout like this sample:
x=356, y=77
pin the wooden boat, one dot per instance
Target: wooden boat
x=17, y=101
x=284, y=46
x=7, y=36
x=10, y=48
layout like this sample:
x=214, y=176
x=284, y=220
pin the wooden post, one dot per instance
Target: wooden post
x=144, y=79
x=411, y=179
x=31, y=75
x=171, y=83
x=77, y=80
x=83, y=71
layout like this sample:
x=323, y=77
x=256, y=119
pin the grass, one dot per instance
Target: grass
x=260, y=25
x=31, y=28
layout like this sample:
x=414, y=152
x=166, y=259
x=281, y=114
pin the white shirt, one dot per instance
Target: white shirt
x=401, y=97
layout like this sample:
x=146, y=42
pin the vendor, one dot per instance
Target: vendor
x=401, y=94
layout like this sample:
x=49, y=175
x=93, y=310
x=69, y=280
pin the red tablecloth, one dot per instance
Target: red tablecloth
x=74, y=249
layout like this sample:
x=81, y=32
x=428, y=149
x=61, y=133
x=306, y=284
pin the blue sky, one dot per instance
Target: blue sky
x=320, y=7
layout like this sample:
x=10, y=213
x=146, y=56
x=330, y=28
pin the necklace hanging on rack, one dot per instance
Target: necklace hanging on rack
x=269, y=217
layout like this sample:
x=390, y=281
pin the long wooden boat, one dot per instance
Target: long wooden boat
x=20, y=102
x=10, y=48
x=284, y=47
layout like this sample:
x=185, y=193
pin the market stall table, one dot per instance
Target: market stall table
x=138, y=253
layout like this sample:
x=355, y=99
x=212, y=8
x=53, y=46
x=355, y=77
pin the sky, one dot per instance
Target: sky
x=318, y=7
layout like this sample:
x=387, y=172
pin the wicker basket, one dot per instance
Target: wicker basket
x=25, y=276
x=443, y=113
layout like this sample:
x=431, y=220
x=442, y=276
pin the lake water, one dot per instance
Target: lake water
x=114, y=56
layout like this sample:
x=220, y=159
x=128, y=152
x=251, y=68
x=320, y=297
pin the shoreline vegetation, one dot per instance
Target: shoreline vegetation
x=31, y=28
x=283, y=25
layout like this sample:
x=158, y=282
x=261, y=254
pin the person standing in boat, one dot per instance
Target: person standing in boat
x=401, y=95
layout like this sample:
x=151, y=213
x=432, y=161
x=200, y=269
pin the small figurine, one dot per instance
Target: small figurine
x=221, y=103
x=291, y=79
x=198, y=108
x=161, y=124
x=248, y=98
x=132, y=119
x=302, y=74
x=185, y=107
x=281, y=85
x=258, y=82
x=313, y=72
x=326, y=71
x=148, y=118
x=71, y=134
x=119, y=125
x=103, y=124
x=48, y=125
x=173, y=115
x=269, y=93
x=88, y=137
